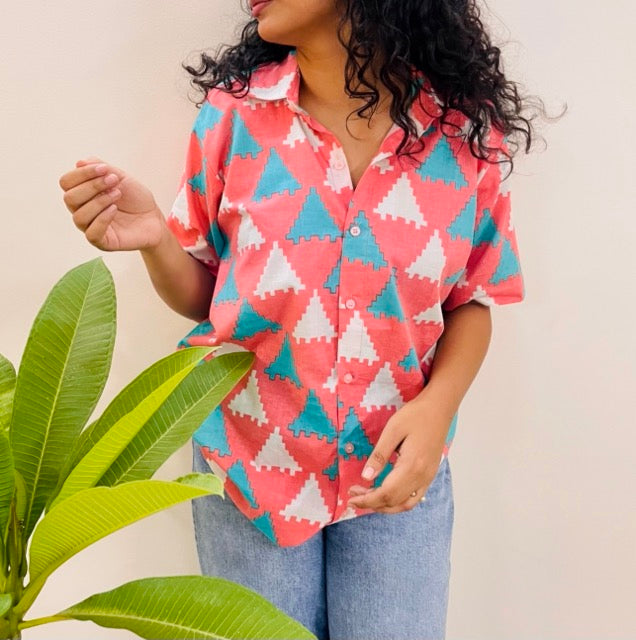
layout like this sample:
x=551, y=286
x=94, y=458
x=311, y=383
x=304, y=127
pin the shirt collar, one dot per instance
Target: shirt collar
x=281, y=81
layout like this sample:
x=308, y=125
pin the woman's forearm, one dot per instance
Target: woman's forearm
x=460, y=351
x=183, y=283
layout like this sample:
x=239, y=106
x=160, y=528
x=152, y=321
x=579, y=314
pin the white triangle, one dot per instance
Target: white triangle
x=308, y=504
x=348, y=513
x=431, y=262
x=332, y=380
x=248, y=401
x=400, y=202
x=431, y=314
x=275, y=454
x=248, y=234
x=427, y=359
x=299, y=132
x=278, y=275
x=314, y=323
x=382, y=392
x=179, y=209
x=356, y=341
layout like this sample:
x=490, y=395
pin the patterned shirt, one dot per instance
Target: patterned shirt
x=338, y=291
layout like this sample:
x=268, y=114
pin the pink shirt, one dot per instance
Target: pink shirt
x=339, y=292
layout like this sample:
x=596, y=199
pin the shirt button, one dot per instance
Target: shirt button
x=338, y=165
x=350, y=303
x=354, y=230
x=348, y=447
x=348, y=377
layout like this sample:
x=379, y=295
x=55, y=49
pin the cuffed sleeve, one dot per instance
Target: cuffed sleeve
x=193, y=215
x=492, y=275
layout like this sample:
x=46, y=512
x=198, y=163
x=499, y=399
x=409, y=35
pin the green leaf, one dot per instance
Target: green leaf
x=173, y=424
x=7, y=481
x=183, y=607
x=7, y=389
x=92, y=514
x=98, y=459
x=61, y=377
x=131, y=395
x=6, y=600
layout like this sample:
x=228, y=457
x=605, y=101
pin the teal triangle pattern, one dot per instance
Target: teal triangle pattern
x=463, y=224
x=442, y=165
x=218, y=240
x=236, y=473
x=353, y=432
x=387, y=302
x=212, y=433
x=363, y=247
x=276, y=179
x=228, y=292
x=313, y=221
x=452, y=428
x=264, y=524
x=250, y=322
x=332, y=281
x=332, y=470
x=508, y=264
x=283, y=366
x=410, y=361
x=487, y=230
x=243, y=144
x=197, y=181
x=379, y=479
x=206, y=120
x=454, y=277
x=313, y=420
x=201, y=329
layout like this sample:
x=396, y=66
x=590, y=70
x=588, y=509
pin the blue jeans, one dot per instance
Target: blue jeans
x=378, y=576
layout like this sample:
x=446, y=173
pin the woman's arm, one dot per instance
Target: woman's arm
x=460, y=351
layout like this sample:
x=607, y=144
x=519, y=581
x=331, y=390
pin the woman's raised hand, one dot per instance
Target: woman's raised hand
x=113, y=210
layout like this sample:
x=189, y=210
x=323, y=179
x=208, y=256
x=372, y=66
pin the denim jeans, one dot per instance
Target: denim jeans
x=381, y=576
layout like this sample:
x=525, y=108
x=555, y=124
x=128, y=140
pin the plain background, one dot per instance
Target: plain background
x=543, y=460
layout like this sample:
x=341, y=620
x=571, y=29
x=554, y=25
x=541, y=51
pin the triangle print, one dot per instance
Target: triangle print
x=274, y=455
x=276, y=179
x=248, y=402
x=248, y=234
x=431, y=262
x=314, y=324
x=308, y=504
x=278, y=275
x=383, y=391
x=356, y=342
x=441, y=166
x=401, y=203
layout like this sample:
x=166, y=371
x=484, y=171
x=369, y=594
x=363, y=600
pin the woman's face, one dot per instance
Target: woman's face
x=295, y=22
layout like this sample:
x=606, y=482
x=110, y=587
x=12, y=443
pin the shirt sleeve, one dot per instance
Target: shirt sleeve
x=492, y=275
x=193, y=216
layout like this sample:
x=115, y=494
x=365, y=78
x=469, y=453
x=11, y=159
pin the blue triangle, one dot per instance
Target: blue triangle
x=218, y=240
x=212, y=433
x=276, y=179
x=236, y=473
x=251, y=322
x=454, y=277
x=441, y=164
x=206, y=120
x=463, y=224
x=313, y=220
x=377, y=481
x=283, y=365
x=410, y=362
x=242, y=144
x=451, y=429
x=353, y=432
x=264, y=524
x=363, y=247
x=228, y=292
x=331, y=470
x=387, y=302
x=487, y=230
x=197, y=181
x=313, y=420
x=201, y=329
x=333, y=280
x=508, y=264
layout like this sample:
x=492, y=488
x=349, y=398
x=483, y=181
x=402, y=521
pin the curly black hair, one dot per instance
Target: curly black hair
x=444, y=39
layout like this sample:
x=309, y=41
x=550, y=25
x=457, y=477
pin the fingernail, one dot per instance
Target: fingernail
x=368, y=472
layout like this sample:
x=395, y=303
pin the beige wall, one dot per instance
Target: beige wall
x=543, y=466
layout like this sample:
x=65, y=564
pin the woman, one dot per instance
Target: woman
x=343, y=215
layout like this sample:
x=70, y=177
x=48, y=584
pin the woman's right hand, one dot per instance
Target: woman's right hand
x=121, y=215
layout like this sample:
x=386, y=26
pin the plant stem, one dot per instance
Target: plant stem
x=25, y=624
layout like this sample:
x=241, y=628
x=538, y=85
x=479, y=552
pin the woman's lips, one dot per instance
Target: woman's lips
x=258, y=6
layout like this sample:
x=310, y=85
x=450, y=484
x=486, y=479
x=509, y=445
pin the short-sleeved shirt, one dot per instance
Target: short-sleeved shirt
x=340, y=292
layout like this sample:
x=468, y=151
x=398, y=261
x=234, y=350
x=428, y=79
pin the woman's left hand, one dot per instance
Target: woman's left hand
x=419, y=429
